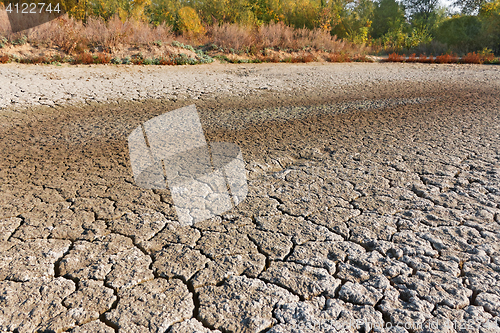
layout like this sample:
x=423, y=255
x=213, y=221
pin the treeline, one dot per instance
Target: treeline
x=421, y=26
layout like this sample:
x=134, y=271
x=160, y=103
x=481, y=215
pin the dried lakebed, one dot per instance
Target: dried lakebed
x=366, y=209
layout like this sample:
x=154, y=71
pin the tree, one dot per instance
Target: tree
x=470, y=7
x=421, y=10
x=189, y=23
x=490, y=16
x=387, y=15
x=461, y=32
x=164, y=11
x=352, y=19
x=302, y=13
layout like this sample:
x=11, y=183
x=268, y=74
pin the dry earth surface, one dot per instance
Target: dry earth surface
x=374, y=198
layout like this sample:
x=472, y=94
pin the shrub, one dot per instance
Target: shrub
x=471, y=58
x=447, y=59
x=166, y=61
x=270, y=58
x=361, y=58
x=338, y=57
x=84, y=58
x=412, y=58
x=462, y=33
x=40, y=60
x=231, y=36
x=102, y=58
x=394, y=57
x=485, y=56
x=183, y=46
x=138, y=61
x=183, y=59
x=303, y=58
x=4, y=59
x=189, y=23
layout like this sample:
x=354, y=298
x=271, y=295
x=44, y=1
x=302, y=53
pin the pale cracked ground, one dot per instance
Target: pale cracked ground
x=373, y=196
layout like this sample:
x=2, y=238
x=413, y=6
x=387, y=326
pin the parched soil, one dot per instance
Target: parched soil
x=374, y=201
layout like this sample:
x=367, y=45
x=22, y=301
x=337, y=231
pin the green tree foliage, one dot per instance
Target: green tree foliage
x=231, y=11
x=189, y=22
x=164, y=11
x=388, y=15
x=352, y=19
x=460, y=32
x=470, y=7
x=467, y=33
x=421, y=11
x=490, y=15
x=301, y=13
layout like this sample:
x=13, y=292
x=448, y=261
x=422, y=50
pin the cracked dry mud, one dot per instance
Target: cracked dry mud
x=376, y=205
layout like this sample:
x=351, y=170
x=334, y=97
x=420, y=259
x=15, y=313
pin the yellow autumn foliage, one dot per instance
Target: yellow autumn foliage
x=189, y=22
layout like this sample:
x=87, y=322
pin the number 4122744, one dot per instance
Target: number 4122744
x=32, y=8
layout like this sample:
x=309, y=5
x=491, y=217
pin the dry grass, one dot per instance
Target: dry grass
x=447, y=59
x=338, y=57
x=230, y=36
x=277, y=36
x=412, y=58
x=73, y=36
x=478, y=58
x=300, y=58
x=394, y=57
